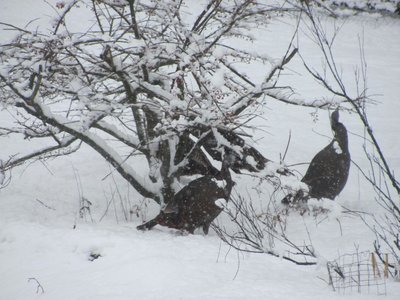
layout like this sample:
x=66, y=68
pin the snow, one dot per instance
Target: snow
x=221, y=202
x=337, y=148
x=43, y=237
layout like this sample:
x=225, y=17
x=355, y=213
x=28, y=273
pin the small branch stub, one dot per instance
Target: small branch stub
x=39, y=287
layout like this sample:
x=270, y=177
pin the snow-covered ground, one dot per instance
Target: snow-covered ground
x=44, y=240
x=351, y=7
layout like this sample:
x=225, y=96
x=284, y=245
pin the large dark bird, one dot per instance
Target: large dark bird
x=328, y=171
x=194, y=205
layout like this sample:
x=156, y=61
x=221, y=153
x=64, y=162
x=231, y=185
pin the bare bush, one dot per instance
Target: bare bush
x=380, y=174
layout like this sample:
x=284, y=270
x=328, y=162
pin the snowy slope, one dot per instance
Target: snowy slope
x=43, y=239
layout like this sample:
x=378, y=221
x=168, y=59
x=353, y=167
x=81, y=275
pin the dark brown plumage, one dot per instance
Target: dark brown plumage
x=329, y=169
x=194, y=205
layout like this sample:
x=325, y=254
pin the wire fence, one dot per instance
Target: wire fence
x=358, y=272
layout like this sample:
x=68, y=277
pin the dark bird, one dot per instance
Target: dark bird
x=195, y=205
x=329, y=169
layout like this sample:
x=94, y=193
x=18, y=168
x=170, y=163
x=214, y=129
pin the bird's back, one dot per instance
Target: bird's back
x=328, y=171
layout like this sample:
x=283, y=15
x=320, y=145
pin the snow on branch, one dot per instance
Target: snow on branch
x=148, y=74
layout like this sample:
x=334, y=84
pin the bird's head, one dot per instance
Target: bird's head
x=339, y=130
x=335, y=119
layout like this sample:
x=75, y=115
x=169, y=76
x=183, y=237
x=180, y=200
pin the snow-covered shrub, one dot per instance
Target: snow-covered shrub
x=152, y=86
x=351, y=7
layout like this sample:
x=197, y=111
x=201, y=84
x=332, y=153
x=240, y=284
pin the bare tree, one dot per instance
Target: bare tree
x=380, y=174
